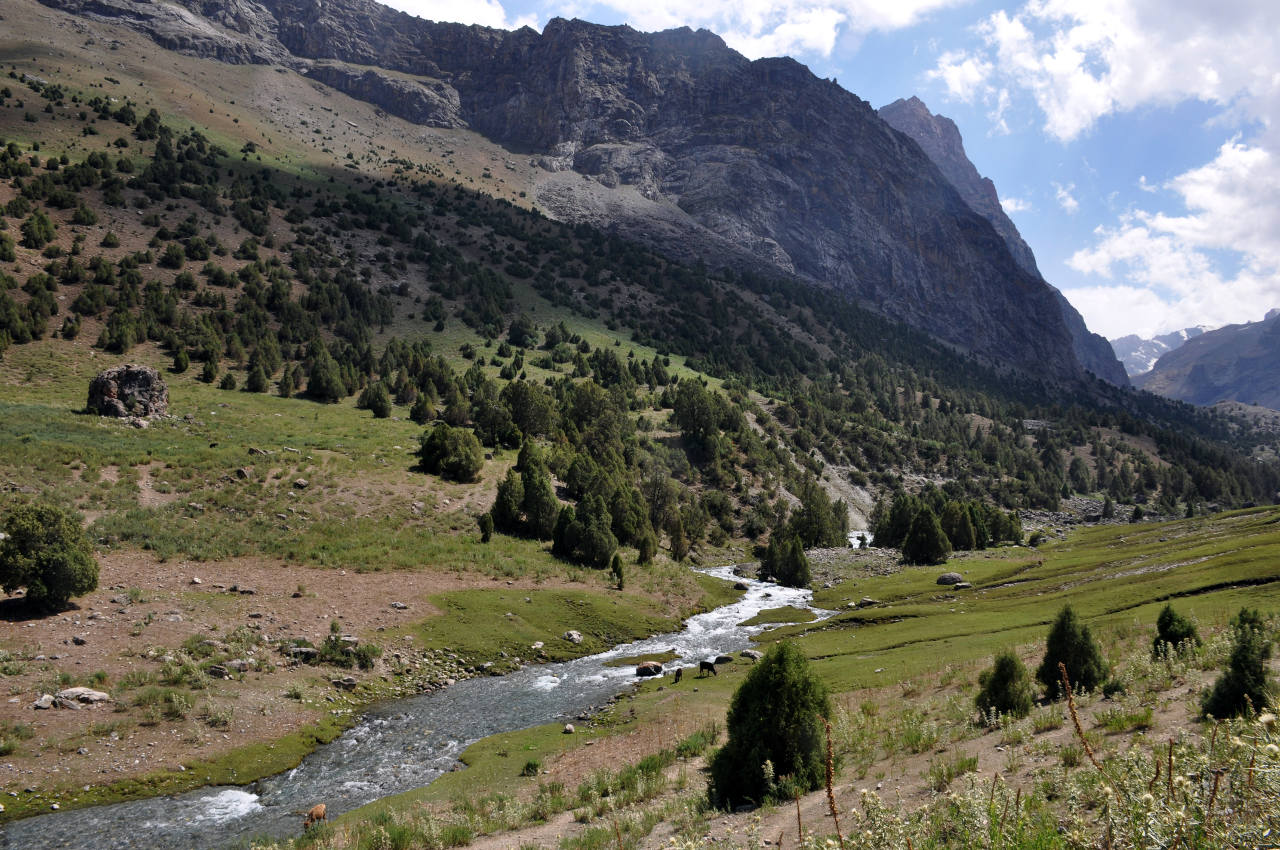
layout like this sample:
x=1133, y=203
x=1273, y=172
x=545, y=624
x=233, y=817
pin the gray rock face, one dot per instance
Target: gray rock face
x=950, y=578
x=128, y=391
x=688, y=145
x=939, y=137
x=422, y=101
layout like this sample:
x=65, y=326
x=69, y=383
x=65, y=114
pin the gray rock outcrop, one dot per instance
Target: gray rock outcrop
x=128, y=391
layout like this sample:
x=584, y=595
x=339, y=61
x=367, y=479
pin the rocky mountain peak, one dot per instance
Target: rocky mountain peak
x=940, y=138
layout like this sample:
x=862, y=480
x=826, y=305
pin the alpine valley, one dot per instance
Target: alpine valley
x=365, y=381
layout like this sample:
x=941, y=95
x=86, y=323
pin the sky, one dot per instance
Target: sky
x=1135, y=143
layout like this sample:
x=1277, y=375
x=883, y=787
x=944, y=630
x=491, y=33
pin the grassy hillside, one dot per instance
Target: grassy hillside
x=904, y=671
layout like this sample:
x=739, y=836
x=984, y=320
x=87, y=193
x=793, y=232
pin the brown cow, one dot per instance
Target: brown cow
x=317, y=814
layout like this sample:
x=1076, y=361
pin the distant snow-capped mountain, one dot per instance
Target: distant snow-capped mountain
x=1140, y=355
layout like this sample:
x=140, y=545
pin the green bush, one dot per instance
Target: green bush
x=1243, y=687
x=1006, y=688
x=785, y=562
x=45, y=550
x=1071, y=643
x=452, y=453
x=1173, y=631
x=775, y=732
x=926, y=543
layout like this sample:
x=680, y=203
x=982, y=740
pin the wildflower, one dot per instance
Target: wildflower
x=1267, y=719
x=1148, y=800
x=1271, y=750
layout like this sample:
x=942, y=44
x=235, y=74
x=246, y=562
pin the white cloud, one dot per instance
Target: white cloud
x=759, y=28
x=1172, y=276
x=1083, y=59
x=1065, y=199
x=1015, y=205
x=487, y=13
x=965, y=76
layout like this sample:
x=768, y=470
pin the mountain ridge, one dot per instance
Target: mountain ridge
x=1139, y=355
x=683, y=143
x=941, y=140
x=1232, y=363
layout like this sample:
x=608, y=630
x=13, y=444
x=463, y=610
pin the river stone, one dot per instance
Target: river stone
x=85, y=695
x=568, y=729
x=962, y=585
x=950, y=578
x=573, y=636
x=128, y=390
x=648, y=668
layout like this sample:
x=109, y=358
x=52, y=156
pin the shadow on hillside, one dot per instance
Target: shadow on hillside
x=14, y=609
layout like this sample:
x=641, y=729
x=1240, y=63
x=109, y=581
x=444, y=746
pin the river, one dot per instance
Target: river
x=396, y=746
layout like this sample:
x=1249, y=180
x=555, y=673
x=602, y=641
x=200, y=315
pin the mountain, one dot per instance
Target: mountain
x=941, y=140
x=1235, y=363
x=673, y=139
x=1139, y=355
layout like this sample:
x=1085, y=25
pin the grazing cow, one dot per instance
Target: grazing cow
x=679, y=674
x=705, y=667
x=317, y=814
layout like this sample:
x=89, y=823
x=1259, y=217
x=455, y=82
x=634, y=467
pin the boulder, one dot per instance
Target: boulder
x=962, y=585
x=568, y=729
x=217, y=671
x=128, y=391
x=346, y=683
x=87, y=696
x=573, y=636
x=867, y=602
x=724, y=659
x=44, y=702
x=950, y=578
x=648, y=668
x=753, y=654
x=740, y=585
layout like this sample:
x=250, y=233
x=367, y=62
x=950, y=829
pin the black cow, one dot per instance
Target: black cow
x=679, y=674
x=707, y=667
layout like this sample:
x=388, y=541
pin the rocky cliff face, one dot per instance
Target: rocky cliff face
x=1235, y=363
x=687, y=145
x=941, y=140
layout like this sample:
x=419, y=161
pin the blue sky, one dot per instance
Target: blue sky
x=1135, y=143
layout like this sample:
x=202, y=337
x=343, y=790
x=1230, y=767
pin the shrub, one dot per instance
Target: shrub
x=1071, y=643
x=485, y=521
x=37, y=230
x=1006, y=688
x=376, y=399
x=45, y=550
x=775, y=731
x=452, y=453
x=1173, y=631
x=1243, y=687
x=786, y=562
x=926, y=543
